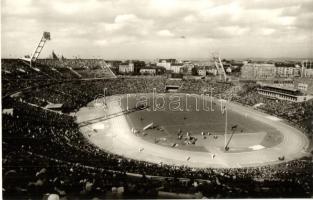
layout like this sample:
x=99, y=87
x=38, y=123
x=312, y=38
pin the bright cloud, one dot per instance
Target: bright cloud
x=155, y=28
x=267, y=31
x=165, y=33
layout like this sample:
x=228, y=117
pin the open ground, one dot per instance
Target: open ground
x=253, y=138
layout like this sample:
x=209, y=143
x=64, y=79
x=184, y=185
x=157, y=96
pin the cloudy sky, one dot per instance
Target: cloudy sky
x=145, y=29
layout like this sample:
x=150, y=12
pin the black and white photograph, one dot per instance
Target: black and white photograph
x=156, y=99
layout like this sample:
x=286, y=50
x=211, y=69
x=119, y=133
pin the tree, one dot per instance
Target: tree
x=54, y=56
x=194, y=71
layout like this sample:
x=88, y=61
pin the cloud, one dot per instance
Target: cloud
x=165, y=33
x=124, y=28
x=124, y=19
x=270, y=4
x=267, y=31
x=125, y=24
x=190, y=18
x=102, y=42
x=234, y=30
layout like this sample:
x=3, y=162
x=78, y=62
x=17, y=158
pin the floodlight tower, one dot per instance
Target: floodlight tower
x=224, y=109
x=219, y=66
x=45, y=37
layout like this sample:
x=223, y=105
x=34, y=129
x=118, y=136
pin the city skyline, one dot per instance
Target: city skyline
x=159, y=28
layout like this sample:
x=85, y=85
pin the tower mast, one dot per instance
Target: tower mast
x=44, y=39
x=225, y=135
x=219, y=66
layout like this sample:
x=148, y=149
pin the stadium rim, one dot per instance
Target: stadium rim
x=293, y=145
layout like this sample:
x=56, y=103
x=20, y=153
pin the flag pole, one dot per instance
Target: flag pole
x=225, y=135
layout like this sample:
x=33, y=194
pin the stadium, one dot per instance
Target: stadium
x=193, y=137
x=156, y=99
x=85, y=132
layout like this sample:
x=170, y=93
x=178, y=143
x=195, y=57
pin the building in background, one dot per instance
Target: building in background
x=307, y=68
x=282, y=93
x=305, y=84
x=166, y=63
x=288, y=69
x=126, y=68
x=285, y=71
x=258, y=71
x=176, y=68
x=187, y=68
x=148, y=71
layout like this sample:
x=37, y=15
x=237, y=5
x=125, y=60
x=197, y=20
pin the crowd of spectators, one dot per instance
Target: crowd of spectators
x=87, y=68
x=204, y=87
x=298, y=114
x=37, y=140
x=74, y=95
x=44, y=152
x=18, y=74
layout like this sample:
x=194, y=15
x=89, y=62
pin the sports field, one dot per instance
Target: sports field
x=202, y=118
x=189, y=130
